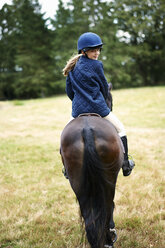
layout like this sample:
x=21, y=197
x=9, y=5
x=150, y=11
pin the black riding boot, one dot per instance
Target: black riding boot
x=128, y=163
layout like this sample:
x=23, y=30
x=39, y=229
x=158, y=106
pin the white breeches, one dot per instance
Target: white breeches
x=117, y=124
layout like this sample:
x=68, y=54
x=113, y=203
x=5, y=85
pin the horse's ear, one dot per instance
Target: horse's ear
x=109, y=99
x=110, y=86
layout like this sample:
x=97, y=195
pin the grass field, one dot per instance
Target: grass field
x=37, y=206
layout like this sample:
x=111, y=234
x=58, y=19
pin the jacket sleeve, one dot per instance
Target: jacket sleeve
x=69, y=90
x=102, y=80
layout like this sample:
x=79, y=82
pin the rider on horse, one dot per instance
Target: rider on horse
x=87, y=87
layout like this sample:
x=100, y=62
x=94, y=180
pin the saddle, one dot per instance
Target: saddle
x=90, y=114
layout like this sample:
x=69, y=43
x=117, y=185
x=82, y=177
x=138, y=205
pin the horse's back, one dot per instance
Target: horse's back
x=102, y=128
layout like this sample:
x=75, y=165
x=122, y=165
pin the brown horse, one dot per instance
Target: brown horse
x=92, y=154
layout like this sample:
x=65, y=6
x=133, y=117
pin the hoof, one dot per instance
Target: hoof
x=113, y=234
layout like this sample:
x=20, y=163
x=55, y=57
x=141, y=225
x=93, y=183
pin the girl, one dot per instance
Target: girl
x=87, y=87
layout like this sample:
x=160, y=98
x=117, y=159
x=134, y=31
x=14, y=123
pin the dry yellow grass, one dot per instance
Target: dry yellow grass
x=37, y=206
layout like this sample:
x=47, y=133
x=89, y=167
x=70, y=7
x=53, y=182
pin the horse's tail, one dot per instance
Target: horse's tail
x=92, y=193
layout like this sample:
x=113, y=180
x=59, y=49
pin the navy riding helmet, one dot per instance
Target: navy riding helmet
x=87, y=41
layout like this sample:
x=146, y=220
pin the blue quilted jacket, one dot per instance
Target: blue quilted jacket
x=87, y=87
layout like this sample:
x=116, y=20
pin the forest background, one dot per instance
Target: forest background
x=34, y=49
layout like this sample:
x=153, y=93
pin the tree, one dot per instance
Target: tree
x=31, y=43
x=68, y=24
x=33, y=57
x=144, y=23
x=99, y=17
x=8, y=52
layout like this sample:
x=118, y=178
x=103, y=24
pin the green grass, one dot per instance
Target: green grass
x=37, y=206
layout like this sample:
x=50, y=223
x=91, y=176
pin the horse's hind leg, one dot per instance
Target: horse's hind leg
x=111, y=222
x=111, y=235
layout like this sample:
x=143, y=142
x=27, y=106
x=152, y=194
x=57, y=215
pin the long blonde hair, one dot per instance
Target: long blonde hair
x=71, y=64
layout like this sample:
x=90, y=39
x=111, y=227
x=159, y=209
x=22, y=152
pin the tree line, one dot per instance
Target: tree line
x=34, y=49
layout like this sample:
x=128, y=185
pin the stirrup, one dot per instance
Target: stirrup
x=131, y=161
x=128, y=165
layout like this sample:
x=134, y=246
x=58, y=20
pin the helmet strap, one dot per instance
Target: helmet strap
x=84, y=50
